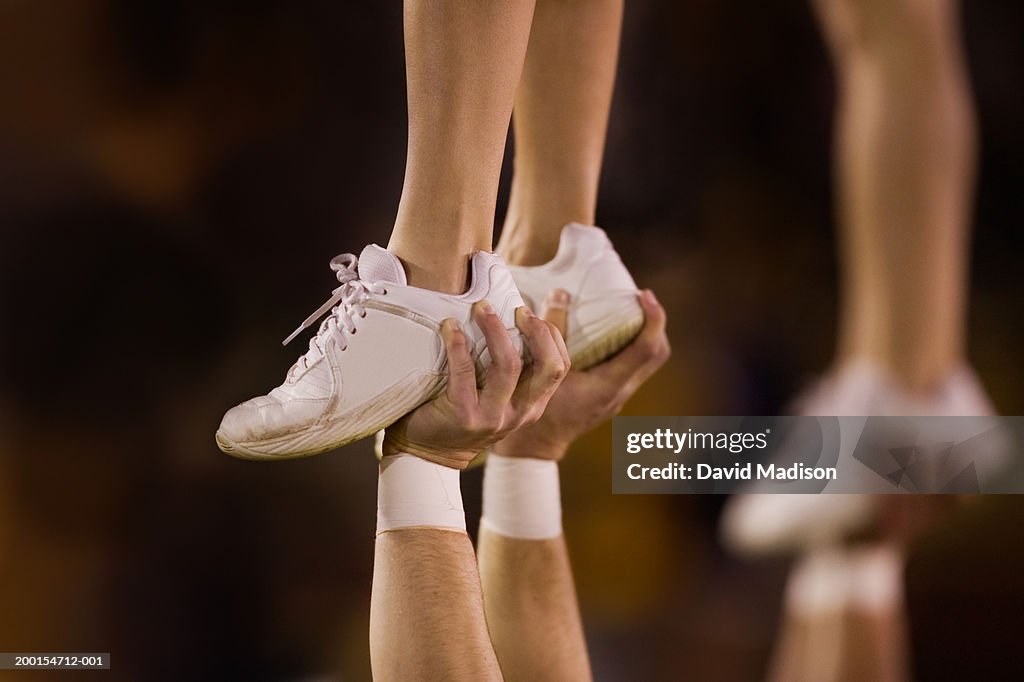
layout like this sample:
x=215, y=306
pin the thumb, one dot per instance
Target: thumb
x=556, y=310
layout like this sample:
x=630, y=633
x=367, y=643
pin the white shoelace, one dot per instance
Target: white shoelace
x=345, y=304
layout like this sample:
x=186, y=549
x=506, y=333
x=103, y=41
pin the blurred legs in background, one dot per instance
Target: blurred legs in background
x=905, y=158
x=463, y=64
x=905, y=148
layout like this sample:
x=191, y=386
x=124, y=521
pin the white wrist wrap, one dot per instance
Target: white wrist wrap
x=522, y=498
x=415, y=493
x=819, y=583
x=878, y=579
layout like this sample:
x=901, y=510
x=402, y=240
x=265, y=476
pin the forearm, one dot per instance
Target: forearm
x=426, y=610
x=529, y=595
x=532, y=613
x=427, y=613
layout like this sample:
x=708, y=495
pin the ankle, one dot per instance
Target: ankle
x=435, y=241
x=447, y=278
x=527, y=245
x=438, y=271
x=527, y=254
x=923, y=377
x=919, y=376
x=536, y=215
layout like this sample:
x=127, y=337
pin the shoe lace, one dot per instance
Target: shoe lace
x=345, y=306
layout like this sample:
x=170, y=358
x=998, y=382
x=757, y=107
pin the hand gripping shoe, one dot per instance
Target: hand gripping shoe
x=604, y=313
x=376, y=356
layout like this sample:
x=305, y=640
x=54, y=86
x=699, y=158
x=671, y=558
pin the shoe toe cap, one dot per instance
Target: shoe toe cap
x=264, y=418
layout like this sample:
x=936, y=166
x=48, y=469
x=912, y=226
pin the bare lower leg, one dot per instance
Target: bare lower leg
x=561, y=116
x=463, y=63
x=905, y=157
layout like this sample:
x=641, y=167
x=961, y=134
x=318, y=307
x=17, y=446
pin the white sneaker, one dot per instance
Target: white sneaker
x=862, y=388
x=755, y=524
x=604, y=313
x=377, y=356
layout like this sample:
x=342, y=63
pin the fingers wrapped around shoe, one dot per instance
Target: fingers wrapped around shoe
x=548, y=367
x=461, y=369
x=641, y=358
x=586, y=398
x=466, y=419
x=506, y=365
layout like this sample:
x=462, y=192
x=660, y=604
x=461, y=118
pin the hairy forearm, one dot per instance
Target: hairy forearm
x=426, y=615
x=532, y=613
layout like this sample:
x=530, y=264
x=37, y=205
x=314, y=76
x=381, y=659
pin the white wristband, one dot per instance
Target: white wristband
x=522, y=498
x=878, y=574
x=819, y=583
x=415, y=493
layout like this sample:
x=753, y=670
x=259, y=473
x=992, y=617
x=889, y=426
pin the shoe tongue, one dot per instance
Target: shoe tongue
x=380, y=265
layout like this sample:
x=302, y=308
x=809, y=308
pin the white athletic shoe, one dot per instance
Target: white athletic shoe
x=755, y=524
x=377, y=356
x=604, y=313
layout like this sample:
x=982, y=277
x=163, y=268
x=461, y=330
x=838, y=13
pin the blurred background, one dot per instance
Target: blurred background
x=175, y=176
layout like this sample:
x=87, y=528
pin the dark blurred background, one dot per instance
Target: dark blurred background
x=174, y=177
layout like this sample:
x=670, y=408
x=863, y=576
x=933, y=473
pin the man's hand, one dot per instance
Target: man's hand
x=464, y=420
x=587, y=398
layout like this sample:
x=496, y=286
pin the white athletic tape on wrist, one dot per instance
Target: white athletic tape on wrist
x=415, y=493
x=819, y=583
x=522, y=498
x=877, y=577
